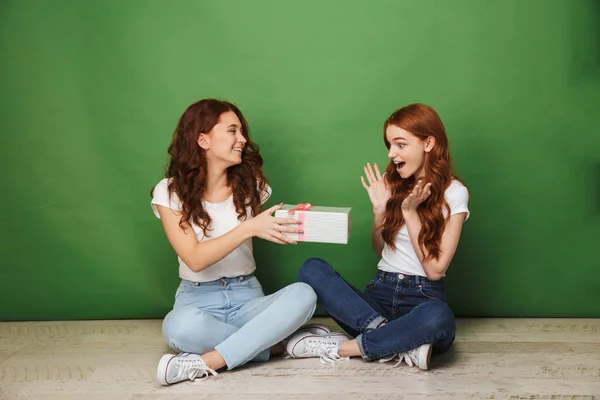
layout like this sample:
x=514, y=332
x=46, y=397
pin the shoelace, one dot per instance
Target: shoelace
x=327, y=354
x=332, y=357
x=196, y=369
x=410, y=357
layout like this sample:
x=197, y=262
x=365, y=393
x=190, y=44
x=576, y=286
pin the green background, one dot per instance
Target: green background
x=91, y=92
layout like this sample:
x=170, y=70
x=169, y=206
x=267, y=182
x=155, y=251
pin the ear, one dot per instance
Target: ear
x=429, y=144
x=203, y=141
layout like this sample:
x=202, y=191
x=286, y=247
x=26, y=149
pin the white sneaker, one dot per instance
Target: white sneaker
x=418, y=357
x=315, y=329
x=176, y=368
x=306, y=344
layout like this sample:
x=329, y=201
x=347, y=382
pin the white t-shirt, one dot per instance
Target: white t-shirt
x=404, y=260
x=224, y=218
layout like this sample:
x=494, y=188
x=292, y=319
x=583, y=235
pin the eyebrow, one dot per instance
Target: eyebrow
x=234, y=126
x=399, y=138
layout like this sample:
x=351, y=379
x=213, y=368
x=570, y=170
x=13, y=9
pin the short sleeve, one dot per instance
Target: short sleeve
x=266, y=194
x=458, y=200
x=160, y=197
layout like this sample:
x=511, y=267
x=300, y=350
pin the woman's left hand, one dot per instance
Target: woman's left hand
x=419, y=194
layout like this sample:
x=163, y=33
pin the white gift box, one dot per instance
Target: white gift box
x=319, y=224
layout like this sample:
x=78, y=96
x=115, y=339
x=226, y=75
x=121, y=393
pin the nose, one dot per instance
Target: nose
x=391, y=153
x=241, y=139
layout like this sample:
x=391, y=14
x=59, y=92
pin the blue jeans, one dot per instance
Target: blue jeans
x=413, y=308
x=234, y=317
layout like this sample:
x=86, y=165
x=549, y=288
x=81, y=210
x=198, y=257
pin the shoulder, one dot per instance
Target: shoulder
x=457, y=197
x=456, y=190
x=161, y=186
x=161, y=190
x=162, y=197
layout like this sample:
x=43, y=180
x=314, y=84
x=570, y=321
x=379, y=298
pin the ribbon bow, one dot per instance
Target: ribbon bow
x=300, y=207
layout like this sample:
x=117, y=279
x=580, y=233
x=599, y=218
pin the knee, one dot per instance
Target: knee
x=312, y=269
x=302, y=293
x=440, y=317
x=183, y=325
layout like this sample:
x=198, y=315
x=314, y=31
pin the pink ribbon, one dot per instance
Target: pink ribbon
x=300, y=207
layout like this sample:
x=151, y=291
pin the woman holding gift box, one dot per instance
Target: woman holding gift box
x=419, y=208
x=210, y=206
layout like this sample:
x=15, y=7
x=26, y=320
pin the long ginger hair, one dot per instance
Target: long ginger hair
x=422, y=121
x=187, y=167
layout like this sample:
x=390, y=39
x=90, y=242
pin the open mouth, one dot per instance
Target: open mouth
x=400, y=165
x=238, y=149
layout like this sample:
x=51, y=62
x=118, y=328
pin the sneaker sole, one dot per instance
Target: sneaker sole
x=163, y=366
x=428, y=358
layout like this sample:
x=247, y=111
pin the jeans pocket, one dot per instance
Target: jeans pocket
x=184, y=287
x=433, y=291
x=253, y=283
x=372, y=284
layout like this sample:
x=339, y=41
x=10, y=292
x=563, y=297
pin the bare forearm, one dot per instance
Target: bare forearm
x=376, y=238
x=413, y=224
x=433, y=268
x=206, y=253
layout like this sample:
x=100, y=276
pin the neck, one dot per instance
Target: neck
x=216, y=180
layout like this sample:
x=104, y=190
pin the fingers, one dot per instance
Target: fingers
x=368, y=176
x=287, y=228
x=386, y=182
x=282, y=238
x=372, y=177
x=417, y=189
x=377, y=173
x=273, y=239
x=362, y=179
x=427, y=191
x=273, y=209
x=371, y=174
x=424, y=189
x=288, y=221
x=421, y=191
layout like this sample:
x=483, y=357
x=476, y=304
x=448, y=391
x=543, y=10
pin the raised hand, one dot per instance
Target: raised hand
x=377, y=188
x=419, y=194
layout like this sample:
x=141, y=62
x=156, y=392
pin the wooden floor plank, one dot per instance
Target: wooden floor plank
x=534, y=359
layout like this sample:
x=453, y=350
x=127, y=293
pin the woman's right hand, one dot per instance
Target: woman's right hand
x=267, y=227
x=378, y=188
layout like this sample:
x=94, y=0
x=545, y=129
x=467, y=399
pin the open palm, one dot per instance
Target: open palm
x=418, y=195
x=377, y=187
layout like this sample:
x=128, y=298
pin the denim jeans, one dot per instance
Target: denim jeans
x=413, y=308
x=234, y=317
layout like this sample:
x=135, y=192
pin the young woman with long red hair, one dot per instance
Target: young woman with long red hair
x=419, y=207
x=210, y=205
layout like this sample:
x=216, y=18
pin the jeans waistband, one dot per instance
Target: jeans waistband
x=396, y=276
x=220, y=281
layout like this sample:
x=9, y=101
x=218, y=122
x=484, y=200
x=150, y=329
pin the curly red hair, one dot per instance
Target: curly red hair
x=187, y=167
x=423, y=122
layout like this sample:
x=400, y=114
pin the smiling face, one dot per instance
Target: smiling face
x=225, y=142
x=407, y=151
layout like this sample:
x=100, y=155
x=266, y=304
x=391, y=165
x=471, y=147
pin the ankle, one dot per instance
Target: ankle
x=277, y=349
x=349, y=348
x=213, y=360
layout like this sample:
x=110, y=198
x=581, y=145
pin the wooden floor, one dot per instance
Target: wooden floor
x=116, y=360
